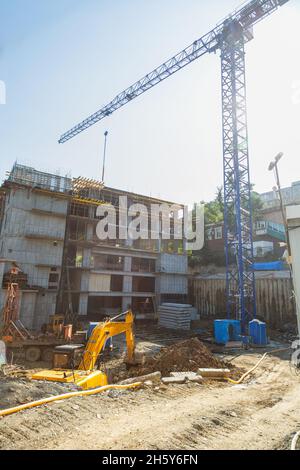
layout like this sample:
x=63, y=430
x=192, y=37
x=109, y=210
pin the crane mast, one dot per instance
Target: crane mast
x=230, y=37
x=240, y=280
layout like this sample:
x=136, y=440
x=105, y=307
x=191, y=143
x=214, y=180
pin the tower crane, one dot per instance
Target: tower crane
x=229, y=37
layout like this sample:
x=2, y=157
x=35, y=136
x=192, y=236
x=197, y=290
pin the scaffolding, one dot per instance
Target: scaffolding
x=87, y=190
x=12, y=325
x=27, y=176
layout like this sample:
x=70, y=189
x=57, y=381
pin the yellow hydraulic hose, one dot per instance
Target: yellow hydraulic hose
x=237, y=382
x=65, y=396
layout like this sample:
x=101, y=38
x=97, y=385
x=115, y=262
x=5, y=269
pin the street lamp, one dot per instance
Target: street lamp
x=274, y=166
x=104, y=154
x=275, y=162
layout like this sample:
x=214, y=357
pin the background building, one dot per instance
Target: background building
x=290, y=195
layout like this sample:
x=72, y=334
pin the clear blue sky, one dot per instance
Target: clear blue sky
x=61, y=60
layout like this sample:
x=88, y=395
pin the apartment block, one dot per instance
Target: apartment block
x=290, y=195
x=48, y=227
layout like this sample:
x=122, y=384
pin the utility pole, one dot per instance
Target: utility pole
x=274, y=166
x=104, y=154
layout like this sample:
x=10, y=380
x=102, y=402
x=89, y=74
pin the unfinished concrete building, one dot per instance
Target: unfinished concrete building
x=48, y=227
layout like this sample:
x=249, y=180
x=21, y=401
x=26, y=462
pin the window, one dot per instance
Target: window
x=209, y=234
x=53, y=279
x=109, y=262
x=218, y=233
x=260, y=225
x=143, y=265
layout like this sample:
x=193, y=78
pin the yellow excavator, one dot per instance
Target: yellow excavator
x=85, y=376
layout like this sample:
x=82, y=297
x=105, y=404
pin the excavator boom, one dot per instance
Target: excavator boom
x=101, y=334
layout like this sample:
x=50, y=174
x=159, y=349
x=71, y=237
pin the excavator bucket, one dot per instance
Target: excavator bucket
x=137, y=359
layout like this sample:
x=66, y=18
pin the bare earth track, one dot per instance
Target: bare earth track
x=261, y=414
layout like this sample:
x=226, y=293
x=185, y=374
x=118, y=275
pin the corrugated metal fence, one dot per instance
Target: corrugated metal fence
x=274, y=299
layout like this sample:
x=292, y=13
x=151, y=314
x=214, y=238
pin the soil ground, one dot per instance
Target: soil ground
x=262, y=413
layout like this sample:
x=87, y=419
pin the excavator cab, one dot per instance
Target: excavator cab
x=85, y=376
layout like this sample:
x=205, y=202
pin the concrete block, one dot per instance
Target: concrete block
x=154, y=377
x=173, y=380
x=185, y=375
x=214, y=373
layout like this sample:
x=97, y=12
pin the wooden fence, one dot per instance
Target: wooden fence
x=274, y=298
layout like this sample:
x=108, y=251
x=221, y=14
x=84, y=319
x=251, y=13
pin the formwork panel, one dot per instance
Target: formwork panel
x=173, y=284
x=172, y=263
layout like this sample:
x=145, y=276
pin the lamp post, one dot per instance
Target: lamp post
x=274, y=166
x=104, y=154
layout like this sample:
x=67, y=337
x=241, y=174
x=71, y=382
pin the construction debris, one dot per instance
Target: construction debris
x=186, y=375
x=182, y=377
x=173, y=380
x=154, y=377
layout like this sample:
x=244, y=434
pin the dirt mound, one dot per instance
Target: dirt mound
x=186, y=355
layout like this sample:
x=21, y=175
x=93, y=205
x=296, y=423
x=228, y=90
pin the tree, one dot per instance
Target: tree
x=214, y=214
x=214, y=210
x=257, y=205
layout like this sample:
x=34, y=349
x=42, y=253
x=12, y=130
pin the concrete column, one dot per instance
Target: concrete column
x=127, y=284
x=83, y=304
x=84, y=283
x=126, y=301
x=89, y=231
x=127, y=264
x=127, y=288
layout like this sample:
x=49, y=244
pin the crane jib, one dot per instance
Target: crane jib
x=247, y=16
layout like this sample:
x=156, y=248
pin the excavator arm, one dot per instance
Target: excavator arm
x=101, y=334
